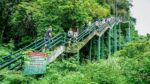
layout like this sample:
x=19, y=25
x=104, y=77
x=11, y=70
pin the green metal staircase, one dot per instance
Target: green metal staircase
x=85, y=36
x=57, y=44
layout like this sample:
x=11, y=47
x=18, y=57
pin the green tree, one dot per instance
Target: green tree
x=60, y=14
x=148, y=36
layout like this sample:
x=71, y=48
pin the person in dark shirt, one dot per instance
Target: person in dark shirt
x=48, y=35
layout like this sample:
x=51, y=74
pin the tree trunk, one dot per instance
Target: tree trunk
x=2, y=33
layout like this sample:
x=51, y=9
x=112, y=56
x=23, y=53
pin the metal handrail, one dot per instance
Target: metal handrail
x=18, y=55
x=26, y=47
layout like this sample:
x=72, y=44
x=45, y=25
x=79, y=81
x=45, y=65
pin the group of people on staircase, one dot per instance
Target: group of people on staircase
x=73, y=34
x=104, y=20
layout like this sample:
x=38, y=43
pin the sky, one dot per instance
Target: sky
x=141, y=11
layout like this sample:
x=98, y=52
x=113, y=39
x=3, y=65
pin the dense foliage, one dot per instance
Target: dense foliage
x=130, y=65
x=25, y=20
x=22, y=21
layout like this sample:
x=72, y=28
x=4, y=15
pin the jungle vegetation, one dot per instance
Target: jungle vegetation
x=22, y=21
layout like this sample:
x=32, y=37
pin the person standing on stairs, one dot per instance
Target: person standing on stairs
x=48, y=36
x=97, y=24
x=109, y=20
x=76, y=33
x=103, y=21
x=70, y=36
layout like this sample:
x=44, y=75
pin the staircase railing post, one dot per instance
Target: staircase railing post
x=10, y=58
x=22, y=60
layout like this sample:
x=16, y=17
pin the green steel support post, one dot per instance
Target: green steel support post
x=129, y=36
x=102, y=46
x=99, y=47
x=90, y=53
x=112, y=42
x=109, y=42
x=129, y=32
x=78, y=57
x=119, y=36
x=126, y=37
x=115, y=38
x=95, y=49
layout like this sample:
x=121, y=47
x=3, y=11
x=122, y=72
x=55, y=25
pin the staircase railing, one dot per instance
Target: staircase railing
x=86, y=32
x=35, y=46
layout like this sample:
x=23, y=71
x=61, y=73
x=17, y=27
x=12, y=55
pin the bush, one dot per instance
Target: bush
x=120, y=69
x=135, y=61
